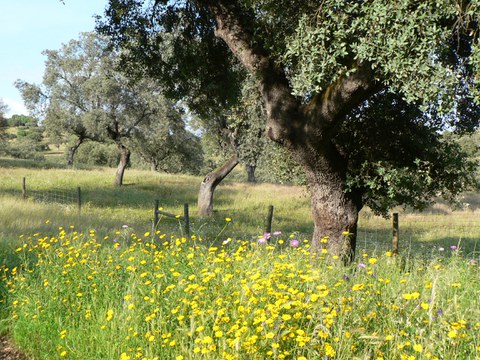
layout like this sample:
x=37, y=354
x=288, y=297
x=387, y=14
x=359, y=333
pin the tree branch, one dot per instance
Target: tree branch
x=288, y=121
x=342, y=96
x=282, y=107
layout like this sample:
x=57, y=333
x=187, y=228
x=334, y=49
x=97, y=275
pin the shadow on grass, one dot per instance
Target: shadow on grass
x=30, y=164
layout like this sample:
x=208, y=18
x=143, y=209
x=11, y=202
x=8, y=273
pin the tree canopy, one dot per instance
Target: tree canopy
x=83, y=95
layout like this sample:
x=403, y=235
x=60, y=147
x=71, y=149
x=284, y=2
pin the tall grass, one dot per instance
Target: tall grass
x=104, y=284
x=139, y=296
x=105, y=208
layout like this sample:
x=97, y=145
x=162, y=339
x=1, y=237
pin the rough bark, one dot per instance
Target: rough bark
x=209, y=183
x=251, y=173
x=122, y=164
x=335, y=212
x=153, y=166
x=72, y=150
x=305, y=129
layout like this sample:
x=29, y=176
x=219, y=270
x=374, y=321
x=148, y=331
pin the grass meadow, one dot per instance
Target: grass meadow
x=105, y=284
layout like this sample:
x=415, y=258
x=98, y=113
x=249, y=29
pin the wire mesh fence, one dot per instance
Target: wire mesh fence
x=61, y=196
x=428, y=233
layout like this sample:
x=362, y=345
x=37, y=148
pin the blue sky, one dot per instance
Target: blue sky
x=27, y=27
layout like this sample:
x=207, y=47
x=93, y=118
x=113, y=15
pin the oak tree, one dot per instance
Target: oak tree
x=318, y=67
x=84, y=96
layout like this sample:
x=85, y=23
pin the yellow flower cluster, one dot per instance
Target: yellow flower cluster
x=172, y=298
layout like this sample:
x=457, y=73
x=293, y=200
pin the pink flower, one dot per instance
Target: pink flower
x=262, y=241
x=277, y=233
x=294, y=243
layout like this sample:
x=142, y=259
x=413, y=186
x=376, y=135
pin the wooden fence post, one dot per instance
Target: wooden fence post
x=24, y=188
x=395, y=233
x=79, y=199
x=186, y=218
x=155, y=214
x=268, y=228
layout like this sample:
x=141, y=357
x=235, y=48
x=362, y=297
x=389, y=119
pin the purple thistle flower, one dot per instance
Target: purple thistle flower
x=453, y=248
x=294, y=243
x=362, y=266
x=277, y=233
x=262, y=241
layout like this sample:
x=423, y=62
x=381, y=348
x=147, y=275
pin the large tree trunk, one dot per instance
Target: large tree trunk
x=122, y=164
x=153, y=166
x=72, y=150
x=209, y=183
x=305, y=129
x=251, y=173
x=335, y=212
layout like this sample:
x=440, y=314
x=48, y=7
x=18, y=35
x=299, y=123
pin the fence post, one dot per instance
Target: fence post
x=268, y=228
x=24, y=188
x=79, y=199
x=395, y=233
x=155, y=214
x=187, y=220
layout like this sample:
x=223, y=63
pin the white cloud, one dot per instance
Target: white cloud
x=14, y=107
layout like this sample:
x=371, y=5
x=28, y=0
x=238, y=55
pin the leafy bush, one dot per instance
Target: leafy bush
x=26, y=148
x=93, y=153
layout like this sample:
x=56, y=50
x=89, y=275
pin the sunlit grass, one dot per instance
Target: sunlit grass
x=102, y=287
x=134, y=295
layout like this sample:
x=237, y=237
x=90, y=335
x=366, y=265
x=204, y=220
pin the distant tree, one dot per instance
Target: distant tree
x=3, y=126
x=3, y=108
x=234, y=135
x=167, y=145
x=246, y=122
x=21, y=120
x=470, y=143
x=84, y=96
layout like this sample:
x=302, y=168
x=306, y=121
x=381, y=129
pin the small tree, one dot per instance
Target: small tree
x=3, y=126
x=246, y=123
x=84, y=96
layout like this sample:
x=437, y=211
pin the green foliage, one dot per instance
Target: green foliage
x=424, y=57
x=21, y=120
x=25, y=148
x=93, y=153
x=398, y=155
x=28, y=143
x=401, y=40
x=163, y=44
x=275, y=165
